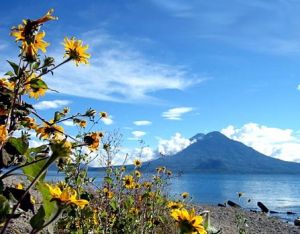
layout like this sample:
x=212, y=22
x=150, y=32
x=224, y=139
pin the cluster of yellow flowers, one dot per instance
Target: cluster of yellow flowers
x=32, y=40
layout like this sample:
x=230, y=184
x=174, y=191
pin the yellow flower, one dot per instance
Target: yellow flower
x=188, y=222
x=7, y=84
x=3, y=134
x=67, y=196
x=19, y=186
x=19, y=32
x=128, y=182
x=147, y=184
x=25, y=32
x=54, y=191
x=31, y=48
x=107, y=193
x=93, y=140
x=29, y=122
x=134, y=211
x=33, y=91
x=137, y=163
x=103, y=115
x=174, y=205
x=50, y=131
x=66, y=110
x=137, y=173
x=160, y=169
x=169, y=173
x=82, y=123
x=75, y=50
x=95, y=217
x=185, y=195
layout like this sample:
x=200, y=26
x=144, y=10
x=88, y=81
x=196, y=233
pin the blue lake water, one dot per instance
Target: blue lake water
x=278, y=192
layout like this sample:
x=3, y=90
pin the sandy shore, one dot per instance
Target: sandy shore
x=222, y=218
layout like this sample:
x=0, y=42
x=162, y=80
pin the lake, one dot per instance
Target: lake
x=278, y=192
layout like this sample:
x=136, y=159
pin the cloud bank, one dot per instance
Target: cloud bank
x=279, y=143
x=117, y=72
x=174, y=145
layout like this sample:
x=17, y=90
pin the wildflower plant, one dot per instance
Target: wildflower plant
x=126, y=201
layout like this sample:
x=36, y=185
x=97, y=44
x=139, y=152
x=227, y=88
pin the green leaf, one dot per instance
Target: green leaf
x=31, y=171
x=20, y=144
x=9, y=73
x=14, y=66
x=26, y=203
x=113, y=204
x=4, y=208
x=50, y=207
x=59, y=150
x=108, y=180
x=38, y=220
x=57, y=116
x=38, y=84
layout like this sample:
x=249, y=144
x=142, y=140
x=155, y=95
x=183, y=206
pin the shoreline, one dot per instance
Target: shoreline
x=227, y=219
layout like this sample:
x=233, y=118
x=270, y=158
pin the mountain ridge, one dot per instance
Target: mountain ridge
x=214, y=152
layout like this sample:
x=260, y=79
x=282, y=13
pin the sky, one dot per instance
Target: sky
x=167, y=70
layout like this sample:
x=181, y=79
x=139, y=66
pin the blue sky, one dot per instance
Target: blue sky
x=182, y=66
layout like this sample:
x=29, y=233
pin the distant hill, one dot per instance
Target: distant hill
x=214, y=152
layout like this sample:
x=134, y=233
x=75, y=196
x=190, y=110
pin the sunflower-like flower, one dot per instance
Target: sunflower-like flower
x=174, y=205
x=103, y=115
x=188, y=222
x=93, y=140
x=147, y=184
x=109, y=194
x=75, y=50
x=7, y=84
x=128, y=182
x=137, y=163
x=50, y=131
x=19, y=186
x=29, y=122
x=82, y=123
x=35, y=87
x=3, y=134
x=160, y=169
x=134, y=211
x=31, y=49
x=137, y=173
x=185, y=195
x=68, y=196
x=31, y=39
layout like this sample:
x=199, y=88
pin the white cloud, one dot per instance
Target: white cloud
x=69, y=123
x=138, y=134
x=108, y=120
x=279, y=143
x=44, y=105
x=176, y=113
x=117, y=72
x=142, y=122
x=125, y=156
x=173, y=145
